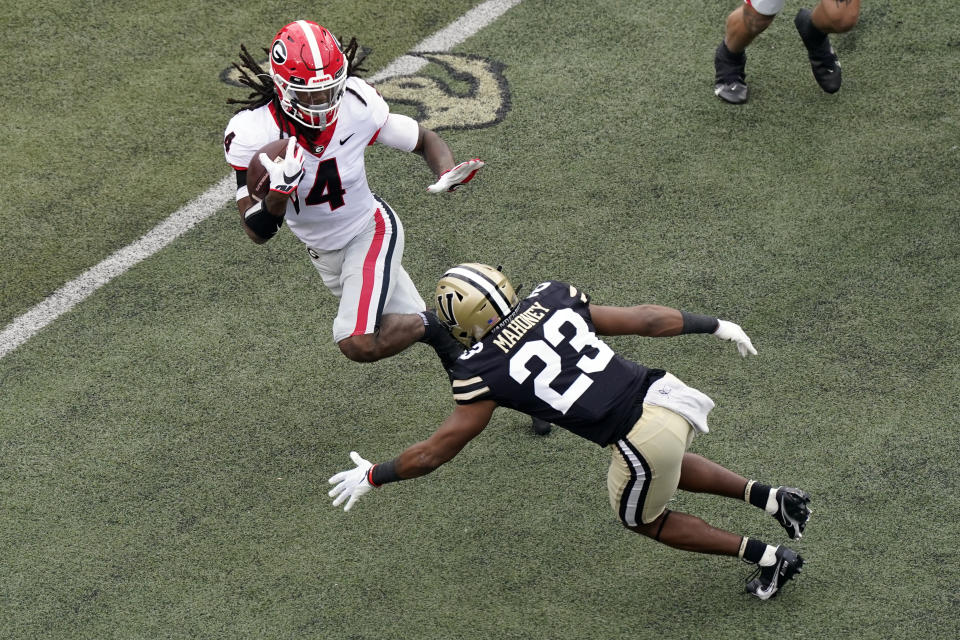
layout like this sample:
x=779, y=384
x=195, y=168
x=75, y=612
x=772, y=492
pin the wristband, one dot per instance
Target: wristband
x=383, y=473
x=261, y=221
x=696, y=323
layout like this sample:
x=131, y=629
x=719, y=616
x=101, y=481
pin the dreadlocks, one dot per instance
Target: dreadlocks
x=260, y=82
x=255, y=78
x=355, y=55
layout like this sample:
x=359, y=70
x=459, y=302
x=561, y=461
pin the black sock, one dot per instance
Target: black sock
x=813, y=36
x=753, y=551
x=730, y=55
x=759, y=494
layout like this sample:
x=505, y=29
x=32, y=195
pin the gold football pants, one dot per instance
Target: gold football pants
x=645, y=467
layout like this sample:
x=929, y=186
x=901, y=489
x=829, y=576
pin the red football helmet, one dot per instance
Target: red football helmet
x=309, y=72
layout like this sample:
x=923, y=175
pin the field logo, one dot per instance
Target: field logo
x=470, y=92
x=473, y=95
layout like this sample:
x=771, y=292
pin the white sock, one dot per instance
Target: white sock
x=769, y=556
x=772, y=505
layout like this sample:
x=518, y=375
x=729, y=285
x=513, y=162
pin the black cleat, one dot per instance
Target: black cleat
x=765, y=582
x=730, y=80
x=823, y=59
x=792, y=511
x=541, y=427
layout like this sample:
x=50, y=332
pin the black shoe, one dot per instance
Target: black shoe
x=792, y=510
x=730, y=80
x=541, y=427
x=823, y=59
x=765, y=582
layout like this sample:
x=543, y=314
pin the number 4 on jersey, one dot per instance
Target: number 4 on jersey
x=327, y=186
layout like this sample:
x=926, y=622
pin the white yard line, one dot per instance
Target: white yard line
x=23, y=327
x=447, y=38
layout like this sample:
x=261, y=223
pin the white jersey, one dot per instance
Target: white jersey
x=333, y=202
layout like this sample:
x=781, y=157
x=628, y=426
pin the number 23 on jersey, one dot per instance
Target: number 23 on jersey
x=546, y=351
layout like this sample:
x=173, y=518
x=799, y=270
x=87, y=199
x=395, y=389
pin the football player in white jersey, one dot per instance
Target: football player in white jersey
x=753, y=17
x=311, y=95
x=543, y=355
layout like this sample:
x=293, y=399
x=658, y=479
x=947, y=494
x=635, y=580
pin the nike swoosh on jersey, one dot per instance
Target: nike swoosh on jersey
x=344, y=140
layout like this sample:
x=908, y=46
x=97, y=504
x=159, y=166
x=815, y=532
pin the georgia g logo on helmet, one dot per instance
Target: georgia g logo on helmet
x=278, y=54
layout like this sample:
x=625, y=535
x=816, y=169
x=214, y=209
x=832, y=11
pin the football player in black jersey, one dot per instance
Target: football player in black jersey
x=542, y=356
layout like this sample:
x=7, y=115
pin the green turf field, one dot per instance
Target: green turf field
x=165, y=446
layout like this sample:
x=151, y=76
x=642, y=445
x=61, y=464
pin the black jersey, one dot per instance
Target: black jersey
x=546, y=360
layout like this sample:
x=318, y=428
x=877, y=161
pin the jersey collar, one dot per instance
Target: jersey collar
x=315, y=144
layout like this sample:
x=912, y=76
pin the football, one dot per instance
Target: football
x=258, y=181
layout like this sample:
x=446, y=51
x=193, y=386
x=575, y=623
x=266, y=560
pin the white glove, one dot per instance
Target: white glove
x=353, y=483
x=452, y=178
x=285, y=175
x=732, y=331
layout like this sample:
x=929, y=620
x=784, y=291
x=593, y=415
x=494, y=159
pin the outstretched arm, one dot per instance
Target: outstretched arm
x=403, y=132
x=440, y=159
x=643, y=320
x=462, y=426
x=659, y=322
x=432, y=148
